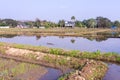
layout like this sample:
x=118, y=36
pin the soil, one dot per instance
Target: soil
x=91, y=71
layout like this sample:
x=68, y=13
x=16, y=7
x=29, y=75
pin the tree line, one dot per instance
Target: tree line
x=99, y=22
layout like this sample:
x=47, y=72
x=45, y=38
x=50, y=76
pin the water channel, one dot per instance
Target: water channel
x=73, y=43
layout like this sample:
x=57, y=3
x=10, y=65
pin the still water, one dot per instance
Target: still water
x=52, y=74
x=113, y=72
x=73, y=43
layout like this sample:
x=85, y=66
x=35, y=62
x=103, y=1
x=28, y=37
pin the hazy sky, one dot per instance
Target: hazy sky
x=59, y=9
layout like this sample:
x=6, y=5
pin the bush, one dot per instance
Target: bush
x=55, y=51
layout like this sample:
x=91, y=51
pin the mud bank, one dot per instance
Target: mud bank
x=92, y=70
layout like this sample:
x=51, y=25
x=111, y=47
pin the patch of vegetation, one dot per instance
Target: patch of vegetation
x=73, y=53
x=62, y=61
x=2, y=50
x=48, y=59
x=55, y=51
x=31, y=56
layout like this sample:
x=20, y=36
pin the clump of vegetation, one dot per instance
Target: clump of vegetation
x=55, y=51
x=73, y=53
x=31, y=56
x=2, y=50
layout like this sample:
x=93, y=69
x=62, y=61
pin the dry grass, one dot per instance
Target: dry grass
x=53, y=31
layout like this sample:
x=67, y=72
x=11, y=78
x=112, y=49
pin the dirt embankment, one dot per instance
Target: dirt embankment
x=45, y=59
x=91, y=71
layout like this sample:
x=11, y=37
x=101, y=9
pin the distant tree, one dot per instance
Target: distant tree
x=61, y=23
x=78, y=24
x=49, y=24
x=91, y=23
x=30, y=23
x=46, y=24
x=3, y=24
x=103, y=22
x=116, y=23
x=9, y=22
x=73, y=18
x=37, y=23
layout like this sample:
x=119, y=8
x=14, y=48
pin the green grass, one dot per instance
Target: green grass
x=55, y=51
x=31, y=56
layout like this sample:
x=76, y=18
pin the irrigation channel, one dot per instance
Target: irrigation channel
x=105, y=44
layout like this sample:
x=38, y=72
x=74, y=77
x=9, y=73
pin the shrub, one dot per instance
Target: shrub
x=55, y=51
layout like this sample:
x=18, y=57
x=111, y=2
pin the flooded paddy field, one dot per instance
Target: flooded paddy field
x=70, y=43
x=106, y=44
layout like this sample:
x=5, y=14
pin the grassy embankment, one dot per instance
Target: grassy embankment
x=40, y=54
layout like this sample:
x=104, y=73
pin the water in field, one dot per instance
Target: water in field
x=111, y=44
x=113, y=72
x=73, y=43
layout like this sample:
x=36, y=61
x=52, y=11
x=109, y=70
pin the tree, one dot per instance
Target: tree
x=116, y=23
x=78, y=24
x=49, y=24
x=61, y=23
x=30, y=23
x=37, y=23
x=103, y=22
x=9, y=22
x=91, y=23
x=73, y=18
x=3, y=24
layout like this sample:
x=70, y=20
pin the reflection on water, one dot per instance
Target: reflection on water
x=113, y=72
x=52, y=74
x=72, y=40
x=72, y=43
x=7, y=35
x=38, y=37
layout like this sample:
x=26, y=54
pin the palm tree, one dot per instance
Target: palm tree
x=73, y=18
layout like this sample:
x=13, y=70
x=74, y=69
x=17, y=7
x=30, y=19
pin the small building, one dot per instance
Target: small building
x=22, y=25
x=42, y=27
x=69, y=24
x=4, y=26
